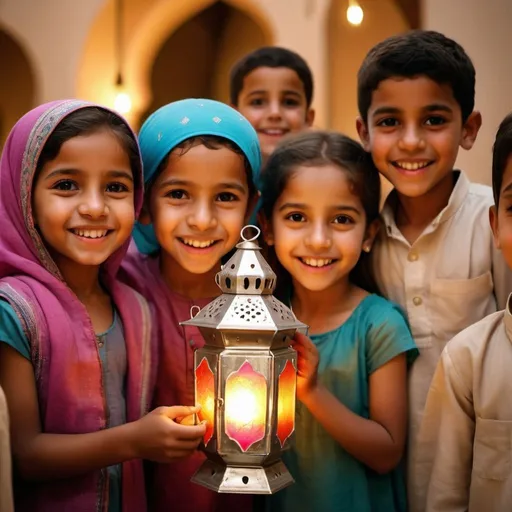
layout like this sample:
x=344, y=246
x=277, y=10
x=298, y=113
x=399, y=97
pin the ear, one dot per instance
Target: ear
x=310, y=117
x=470, y=130
x=251, y=205
x=493, y=219
x=364, y=135
x=266, y=228
x=371, y=233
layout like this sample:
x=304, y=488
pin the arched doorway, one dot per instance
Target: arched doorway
x=196, y=59
x=17, y=87
x=172, y=50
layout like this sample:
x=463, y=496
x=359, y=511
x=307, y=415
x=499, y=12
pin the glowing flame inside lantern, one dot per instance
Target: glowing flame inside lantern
x=286, y=403
x=246, y=406
x=205, y=397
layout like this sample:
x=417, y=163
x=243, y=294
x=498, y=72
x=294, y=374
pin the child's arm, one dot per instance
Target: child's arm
x=445, y=440
x=5, y=459
x=379, y=441
x=40, y=456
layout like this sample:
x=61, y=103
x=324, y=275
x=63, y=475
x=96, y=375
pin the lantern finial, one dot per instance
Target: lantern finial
x=247, y=272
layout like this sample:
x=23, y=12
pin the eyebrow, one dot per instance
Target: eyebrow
x=173, y=182
x=507, y=190
x=76, y=172
x=434, y=107
x=263, y=91
x=301, y=206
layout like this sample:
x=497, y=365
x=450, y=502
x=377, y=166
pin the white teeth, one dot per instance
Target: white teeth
x=412, y=166
x=273, y=132
x=91, y=233
x=316, y=262
x=198, y=243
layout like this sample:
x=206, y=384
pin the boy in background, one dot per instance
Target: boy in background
x=273, y=88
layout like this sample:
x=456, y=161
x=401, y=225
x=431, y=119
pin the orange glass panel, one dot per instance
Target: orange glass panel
x=286, y=402
x=246, y=406
x=205, y=397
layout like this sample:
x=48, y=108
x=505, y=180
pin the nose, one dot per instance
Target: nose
x=318, y=239
x=412, y=138
x=274, y=111
x=93, y=205
x=202, y=217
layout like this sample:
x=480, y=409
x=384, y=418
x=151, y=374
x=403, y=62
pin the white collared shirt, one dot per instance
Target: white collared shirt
x=451, y=277
x=464, y=455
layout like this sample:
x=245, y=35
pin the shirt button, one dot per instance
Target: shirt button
x=100, y=344
x=413, y=256
x=192, y=343
x=417, y=301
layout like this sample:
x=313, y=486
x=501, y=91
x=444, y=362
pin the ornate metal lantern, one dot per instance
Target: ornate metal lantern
x=245, y=378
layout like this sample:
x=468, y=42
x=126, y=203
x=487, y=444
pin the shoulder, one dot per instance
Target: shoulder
x=377, y=310
x=479, y=197
x=138, y=270
x=472, y=343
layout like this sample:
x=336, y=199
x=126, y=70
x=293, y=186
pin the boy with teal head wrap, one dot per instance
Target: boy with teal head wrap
x=201, y=167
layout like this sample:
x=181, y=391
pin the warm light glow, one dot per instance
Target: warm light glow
x=355, y=14
x=205, y=397
x=246, y=406
x=123, y=103
x=286, y=403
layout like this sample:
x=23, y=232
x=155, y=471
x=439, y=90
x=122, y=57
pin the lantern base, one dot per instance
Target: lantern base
x=243, y=480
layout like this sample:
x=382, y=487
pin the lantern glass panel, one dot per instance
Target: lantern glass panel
x=246, y=406
x=205, y=397
x=286, y=403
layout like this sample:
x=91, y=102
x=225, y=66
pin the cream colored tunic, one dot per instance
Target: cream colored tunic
x=465, y=460
x=449, y=278
x=5, y=459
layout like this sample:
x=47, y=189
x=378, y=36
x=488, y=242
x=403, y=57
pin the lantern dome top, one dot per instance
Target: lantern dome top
x=247, y=272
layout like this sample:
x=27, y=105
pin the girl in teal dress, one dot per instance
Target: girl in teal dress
x=320, y=215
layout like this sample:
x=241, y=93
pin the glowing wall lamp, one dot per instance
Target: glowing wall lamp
x=245, y=378
x=355, y=13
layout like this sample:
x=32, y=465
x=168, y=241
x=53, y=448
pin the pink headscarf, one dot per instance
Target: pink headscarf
x=63, y=344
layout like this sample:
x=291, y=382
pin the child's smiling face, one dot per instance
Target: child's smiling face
x=501, y=216
x=198, y=205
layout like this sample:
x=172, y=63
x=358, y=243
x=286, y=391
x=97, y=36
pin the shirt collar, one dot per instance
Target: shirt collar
x=457, y=197
x=508, y=319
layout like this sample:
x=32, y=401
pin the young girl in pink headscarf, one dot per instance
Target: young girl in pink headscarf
x=76, y=351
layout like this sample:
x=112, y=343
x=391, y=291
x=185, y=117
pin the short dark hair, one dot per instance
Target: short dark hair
x=501, y=152
x=270, y=57
x=86, y=121
x=416, y=53
x=210, y=142
x=321, y=148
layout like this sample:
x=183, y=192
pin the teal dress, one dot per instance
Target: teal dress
x=112, y=351
x=327, y=478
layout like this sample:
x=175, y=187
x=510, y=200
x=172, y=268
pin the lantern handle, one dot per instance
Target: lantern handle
x=258, y=233
x=193, y=309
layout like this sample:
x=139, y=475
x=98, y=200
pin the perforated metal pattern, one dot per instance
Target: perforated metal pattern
x=247, y=310
x=283, y=312
x=213, y=309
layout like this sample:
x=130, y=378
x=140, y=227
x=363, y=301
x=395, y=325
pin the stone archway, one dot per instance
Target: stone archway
x=150, y=27
x=17, y=87
x=196, y=59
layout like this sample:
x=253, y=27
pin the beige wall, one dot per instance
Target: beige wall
x=484, y=29
x=348, y=46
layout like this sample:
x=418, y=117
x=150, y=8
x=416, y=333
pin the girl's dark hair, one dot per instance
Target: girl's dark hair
x=86, y=121
x=318, y=149
x=210, y=142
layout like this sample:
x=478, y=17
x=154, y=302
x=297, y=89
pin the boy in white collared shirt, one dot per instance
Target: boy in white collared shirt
x=467, y=424
x=435, y=255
